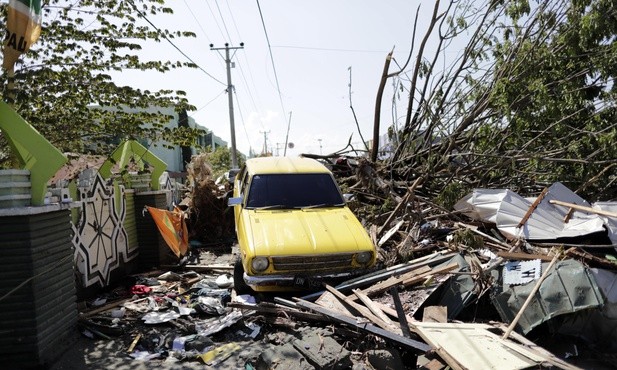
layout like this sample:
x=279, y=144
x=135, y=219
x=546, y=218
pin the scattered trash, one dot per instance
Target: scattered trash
x=454, y=293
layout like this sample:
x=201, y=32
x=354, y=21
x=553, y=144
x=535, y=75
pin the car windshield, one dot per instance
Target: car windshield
x=285, y=191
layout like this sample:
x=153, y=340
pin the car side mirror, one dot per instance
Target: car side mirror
x=348, y=197
x=235, y=201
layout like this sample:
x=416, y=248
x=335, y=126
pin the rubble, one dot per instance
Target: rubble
x=463, y=289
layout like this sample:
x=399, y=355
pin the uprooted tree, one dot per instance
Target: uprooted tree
x=529, y=100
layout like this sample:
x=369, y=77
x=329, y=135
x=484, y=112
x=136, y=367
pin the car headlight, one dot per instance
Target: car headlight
x=364, y=257
x=259, y=264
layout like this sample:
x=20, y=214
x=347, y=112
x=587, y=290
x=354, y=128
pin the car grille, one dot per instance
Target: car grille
x=329, y=262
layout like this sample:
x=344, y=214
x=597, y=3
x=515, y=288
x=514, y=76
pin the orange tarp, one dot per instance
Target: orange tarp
x=172, y=227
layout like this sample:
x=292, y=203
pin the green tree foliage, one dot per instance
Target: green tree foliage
x=220, y=160
x=529, y=100
x=559, y=95
x=66, y=74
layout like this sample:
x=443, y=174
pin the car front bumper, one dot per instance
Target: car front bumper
x=294, y=282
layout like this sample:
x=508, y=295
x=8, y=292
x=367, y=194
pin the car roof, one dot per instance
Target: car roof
x=266, y=165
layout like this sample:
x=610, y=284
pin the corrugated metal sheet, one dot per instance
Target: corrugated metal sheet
x=37, y=319
x=506, y=209
x=153, y=251
x=568, y=288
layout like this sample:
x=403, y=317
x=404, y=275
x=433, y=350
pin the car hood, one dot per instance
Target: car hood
x=311, y=231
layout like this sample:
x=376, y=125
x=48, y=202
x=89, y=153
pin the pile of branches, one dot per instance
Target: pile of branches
x=210, y=219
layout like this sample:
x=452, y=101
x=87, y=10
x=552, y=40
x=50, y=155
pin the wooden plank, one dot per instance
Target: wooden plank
x=416, y=346
x=374, y=308
x=384, y=285
x=362, y=310
x=279, y=311
x=377, y=276
x=328, y=300
x=532, y=208
x=401, y=313
x=435, y=314
x=579, y=253
x=524, y=256
x=390, y=232
x=442, y=270
x=584, y=208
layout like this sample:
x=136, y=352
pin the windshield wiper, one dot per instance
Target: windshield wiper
x=274, y=206
x=322, y=205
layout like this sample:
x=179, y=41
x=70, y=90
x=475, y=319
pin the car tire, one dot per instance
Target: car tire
x=239, y=284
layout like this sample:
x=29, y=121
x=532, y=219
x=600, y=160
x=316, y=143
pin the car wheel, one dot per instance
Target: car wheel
x=239, y=284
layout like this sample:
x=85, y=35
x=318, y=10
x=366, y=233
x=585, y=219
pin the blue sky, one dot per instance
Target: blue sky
x=313, y=44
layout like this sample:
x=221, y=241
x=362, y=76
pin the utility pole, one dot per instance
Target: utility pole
x=287, y=136
x=320, y=151
x=265, y=150
x=234, y=159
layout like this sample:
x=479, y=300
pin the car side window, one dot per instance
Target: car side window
x=245, y=181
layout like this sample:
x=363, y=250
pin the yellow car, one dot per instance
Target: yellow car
x=293, y=227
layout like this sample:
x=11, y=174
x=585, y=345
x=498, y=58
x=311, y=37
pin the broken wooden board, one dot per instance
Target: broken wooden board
x=362, y=310
x=329, y=301
x=474, y=346
x=384, y=285
x=416, y=346
x=435, y=314
x=524, y=256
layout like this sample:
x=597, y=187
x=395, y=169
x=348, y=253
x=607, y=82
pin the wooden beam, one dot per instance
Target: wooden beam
x=532, y=208
x=374, y=308
x=361, y=309
x=414, y=345
x=384, y=285
x=584, y=208
x=524, y=256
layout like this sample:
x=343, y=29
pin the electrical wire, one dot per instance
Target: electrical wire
x=222, y=20
x=212, y=100
x=242, y=120
x=141, y=14
x=200, y=27
x=329, y=49
x=278, y=86
x=248, y=89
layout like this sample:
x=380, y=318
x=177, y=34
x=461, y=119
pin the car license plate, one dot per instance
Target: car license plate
x=307, y=282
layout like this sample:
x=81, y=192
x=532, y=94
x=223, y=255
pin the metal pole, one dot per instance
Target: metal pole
x=287, y=136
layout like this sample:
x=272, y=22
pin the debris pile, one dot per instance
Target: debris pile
x=210, y=220
x=498, y=282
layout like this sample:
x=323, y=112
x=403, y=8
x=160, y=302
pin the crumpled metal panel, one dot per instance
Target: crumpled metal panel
x=506, y=209
x=568, y=288
x=597, y=326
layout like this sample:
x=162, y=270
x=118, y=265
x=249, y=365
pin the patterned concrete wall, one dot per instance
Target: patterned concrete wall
x=100, y=237
x=107, y=235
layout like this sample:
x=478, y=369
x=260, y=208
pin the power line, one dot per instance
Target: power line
x=223, y=20
x=246, y=84
x=330, y=49
x=213, y=99
x=174, y=45
x=278, y=87
x=215, y=21
x=248, y=139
